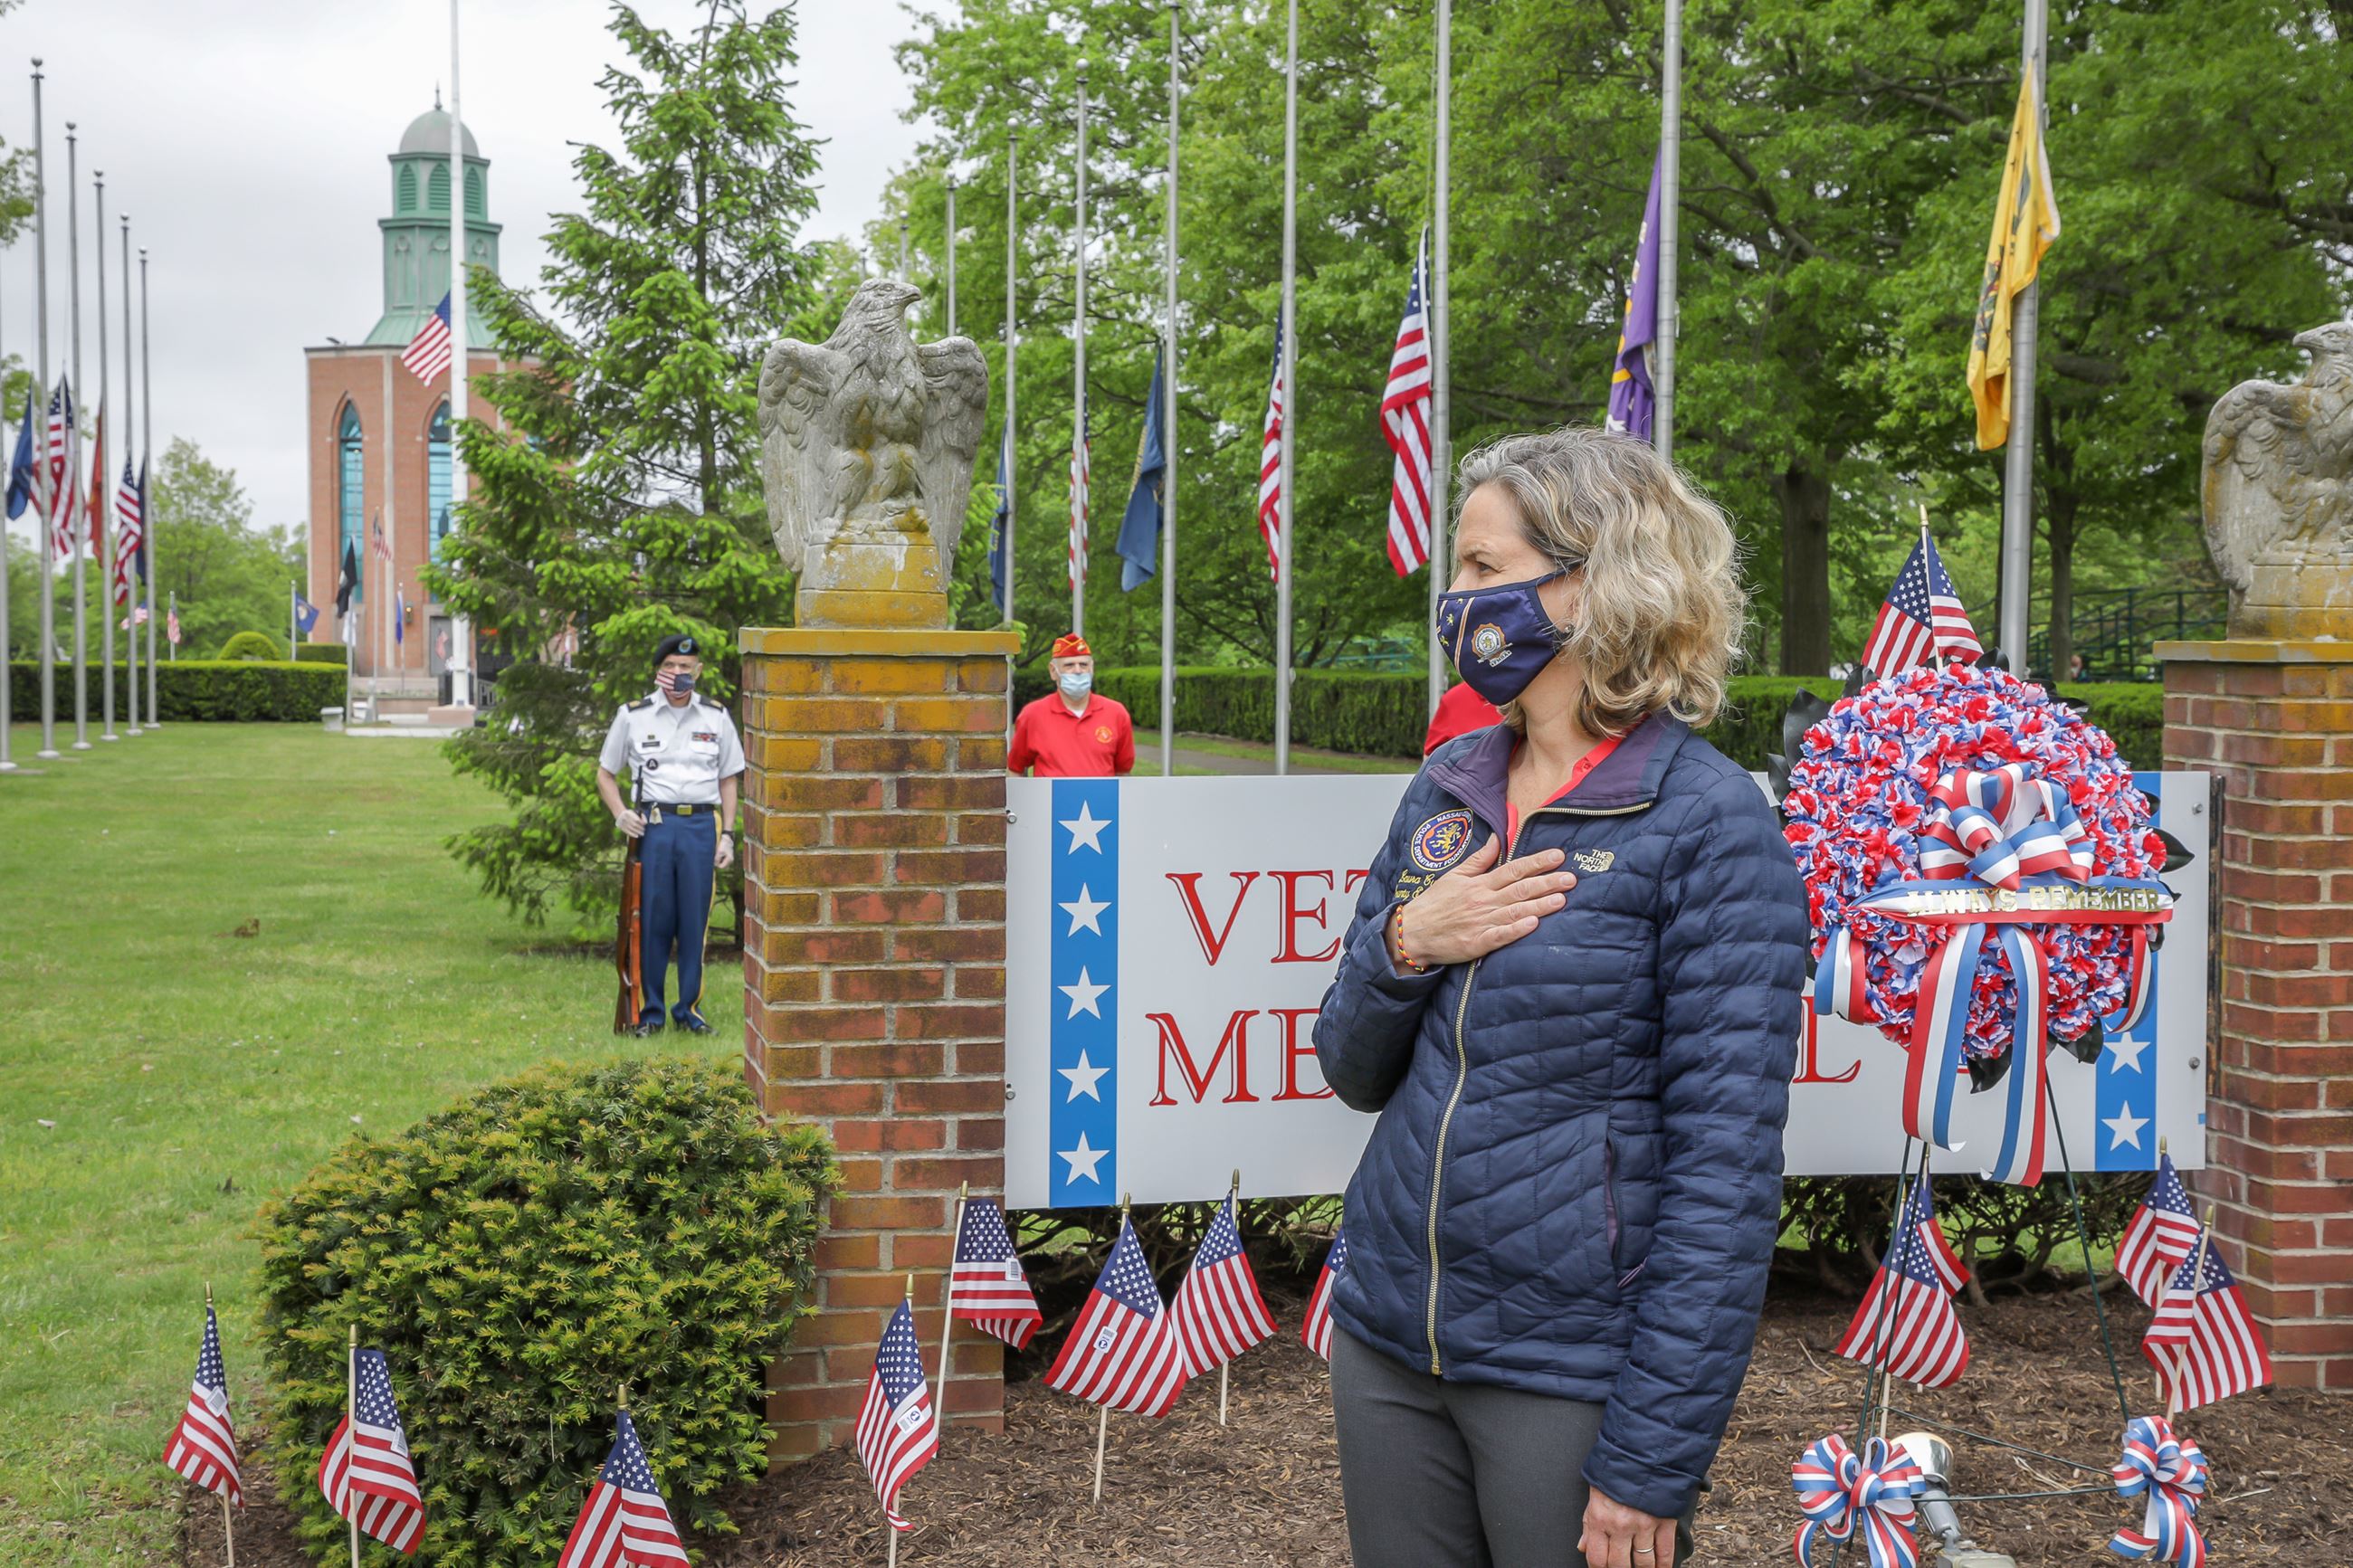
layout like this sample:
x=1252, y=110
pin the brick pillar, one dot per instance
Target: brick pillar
x=874, y=977
x=2274, y=719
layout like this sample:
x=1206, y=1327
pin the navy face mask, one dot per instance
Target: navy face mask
x=1499, y=637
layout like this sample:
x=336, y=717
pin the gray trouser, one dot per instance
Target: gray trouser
x=1460, y=1475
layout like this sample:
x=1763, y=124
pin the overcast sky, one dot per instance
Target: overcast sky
x=248, y=139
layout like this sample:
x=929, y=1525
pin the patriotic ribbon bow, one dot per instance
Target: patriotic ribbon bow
x=1837, y=1491
x=2171, y=1472
x=1997, y=829
x=1999, y=826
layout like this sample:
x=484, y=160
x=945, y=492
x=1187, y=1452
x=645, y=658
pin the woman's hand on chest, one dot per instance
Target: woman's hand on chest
x=1479, y=905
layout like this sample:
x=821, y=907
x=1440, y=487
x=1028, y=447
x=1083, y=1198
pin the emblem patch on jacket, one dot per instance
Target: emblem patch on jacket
x=1592, y=862
x=1441, y=841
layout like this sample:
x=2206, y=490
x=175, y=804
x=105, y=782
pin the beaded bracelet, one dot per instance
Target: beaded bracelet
x=1403, y=959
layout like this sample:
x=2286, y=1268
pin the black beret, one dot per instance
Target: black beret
x=676, y=642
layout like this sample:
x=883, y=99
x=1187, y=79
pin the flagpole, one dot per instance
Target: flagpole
x=350, y=1424
x=43, y=481
x=148, y=528
x=952, y=313
x=294, y=621
x=908, y=1298
x=130, y=588
x=2018, y=461
x=102, y=490
x=1233, y=1195
x=1079, y=461
x=73, y=446
x=461, y=628
x=229, y=1516
x=1286, y=505
x=947, y=1302
x=1012, y=342
x=1441, y=379
x=1671, y=157
x=1103, y=1411
x=1168, y=441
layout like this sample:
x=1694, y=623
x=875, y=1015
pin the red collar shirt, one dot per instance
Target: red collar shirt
x=1097, y=742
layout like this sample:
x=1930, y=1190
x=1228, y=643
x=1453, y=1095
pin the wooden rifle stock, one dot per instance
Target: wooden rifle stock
x=628, y=948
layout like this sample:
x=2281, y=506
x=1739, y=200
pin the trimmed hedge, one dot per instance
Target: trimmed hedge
x=332, y=653
x=195, y=691
x=520, y=1256
x=1385, y=715
x=250, y=646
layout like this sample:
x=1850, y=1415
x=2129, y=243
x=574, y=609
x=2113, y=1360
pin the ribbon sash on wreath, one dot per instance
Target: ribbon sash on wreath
x=2001, y=852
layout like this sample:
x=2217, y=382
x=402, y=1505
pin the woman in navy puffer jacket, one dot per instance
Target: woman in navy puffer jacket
x=1571, y=991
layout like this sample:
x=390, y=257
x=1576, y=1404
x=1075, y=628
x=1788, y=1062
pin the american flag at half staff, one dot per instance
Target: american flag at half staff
x=1218, y=1313
x=428, y=353
x=1405, y=425
x=624, y=1519
x=1081, y=500
x=1122, y=1352
x=1907, y=1326
x=986, y=1287
x=366, y=1473
x=2160, y=1235
x=203, y=1446
x=1270, y=464
x=898, y=1430
x=1923, y=620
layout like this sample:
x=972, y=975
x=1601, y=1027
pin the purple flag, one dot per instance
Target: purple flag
x=1632, y=399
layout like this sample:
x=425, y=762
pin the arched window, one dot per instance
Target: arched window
x=474, y=204
x=407, y=199
x=436, y=476
x=350, y=492
x=436, y=189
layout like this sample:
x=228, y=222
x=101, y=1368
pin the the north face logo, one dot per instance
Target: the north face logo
x=1594, y=861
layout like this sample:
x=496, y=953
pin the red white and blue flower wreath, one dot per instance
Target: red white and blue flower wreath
x=1982, y=877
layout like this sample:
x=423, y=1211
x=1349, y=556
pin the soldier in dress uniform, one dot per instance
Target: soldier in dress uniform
x=681, y=753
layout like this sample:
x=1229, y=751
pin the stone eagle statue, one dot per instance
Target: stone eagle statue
x=2277, y=495
x=866, y=448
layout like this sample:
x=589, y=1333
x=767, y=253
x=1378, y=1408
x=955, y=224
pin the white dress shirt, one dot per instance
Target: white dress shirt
x=676, y=753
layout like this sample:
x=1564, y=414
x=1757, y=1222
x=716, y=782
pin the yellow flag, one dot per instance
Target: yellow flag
x=2025, y=222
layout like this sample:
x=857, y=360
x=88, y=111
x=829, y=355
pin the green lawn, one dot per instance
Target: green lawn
x=164, y=1077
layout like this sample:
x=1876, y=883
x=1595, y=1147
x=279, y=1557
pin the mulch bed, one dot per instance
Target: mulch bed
x=1266, y=1489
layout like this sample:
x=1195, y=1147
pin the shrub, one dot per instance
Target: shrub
x=196, y=690
x=332, y=653
x=249, y=646
x=1385, y=715
x=2012, y=1238
x=519, y=1256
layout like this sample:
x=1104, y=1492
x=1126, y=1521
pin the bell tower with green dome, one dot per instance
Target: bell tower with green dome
x=417, y=234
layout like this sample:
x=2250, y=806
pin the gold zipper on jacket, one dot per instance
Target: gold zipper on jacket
x=1463, y=1074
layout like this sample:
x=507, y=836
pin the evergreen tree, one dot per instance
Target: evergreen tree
x=616, y=499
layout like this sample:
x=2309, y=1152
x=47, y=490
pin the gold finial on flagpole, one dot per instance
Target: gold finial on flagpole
x=911, y=1290
x=2160, y=1145
x=624, y=1399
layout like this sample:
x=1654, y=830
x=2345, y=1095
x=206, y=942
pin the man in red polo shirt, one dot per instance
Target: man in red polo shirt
x=1072, y=732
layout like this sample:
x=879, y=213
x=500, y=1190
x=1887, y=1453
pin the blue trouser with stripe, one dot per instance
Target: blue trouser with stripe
x=678, y=879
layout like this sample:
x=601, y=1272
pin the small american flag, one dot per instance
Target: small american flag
x=427, y=354
x=366, y=1473
x=1122, y=1352
x=986, y=1287
x=2203, y=1340
x=2160, y=1237
x=897, y=1431
x=64, y=448
x=1270, y=464
x=624, y=1519
x=1218, y=1312
x=1922, y=621
x=1405, y=425
x=1316, y=1333
x=203, y=1446
x=1906, y=1325
x=1081, y=478
x=130, y=535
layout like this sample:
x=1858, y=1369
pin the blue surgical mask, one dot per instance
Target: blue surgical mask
x=1077, y=682
x=1499, y=637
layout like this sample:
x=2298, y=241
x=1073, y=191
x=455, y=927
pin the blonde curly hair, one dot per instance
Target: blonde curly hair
x=1662, y=612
